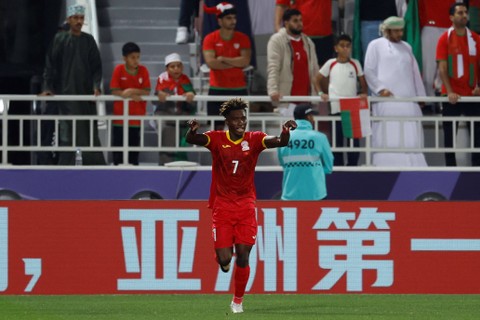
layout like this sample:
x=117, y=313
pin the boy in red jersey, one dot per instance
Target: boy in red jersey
x=129, y=80
x=232, y=193
x=174, y=82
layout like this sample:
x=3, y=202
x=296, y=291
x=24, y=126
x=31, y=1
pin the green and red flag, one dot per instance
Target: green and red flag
x=355, y=115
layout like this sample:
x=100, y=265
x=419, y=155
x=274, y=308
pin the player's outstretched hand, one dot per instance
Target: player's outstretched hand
x=290, y=125
x=194, y=125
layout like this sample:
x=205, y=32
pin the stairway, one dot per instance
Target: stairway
x=152, y=24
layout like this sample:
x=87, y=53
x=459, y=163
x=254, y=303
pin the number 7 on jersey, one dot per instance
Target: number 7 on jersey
x=235, y=163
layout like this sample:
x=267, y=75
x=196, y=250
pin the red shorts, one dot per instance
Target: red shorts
x=231, y=227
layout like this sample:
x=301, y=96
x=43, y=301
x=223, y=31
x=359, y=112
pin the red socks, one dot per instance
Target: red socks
x=241, y=279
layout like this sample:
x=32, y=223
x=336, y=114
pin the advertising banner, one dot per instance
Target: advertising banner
x=115, y=247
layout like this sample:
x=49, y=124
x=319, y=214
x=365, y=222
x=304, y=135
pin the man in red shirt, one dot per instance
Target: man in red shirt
x=433, y=23
x=226, y=53
x=129, y=80
x=292, y=62
x=458, y=60
x=232, y=193
x=317, y=21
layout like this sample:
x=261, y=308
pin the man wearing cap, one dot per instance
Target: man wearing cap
x=391, y=70
x=73, y=67
x=226, y=52
x=306, y=159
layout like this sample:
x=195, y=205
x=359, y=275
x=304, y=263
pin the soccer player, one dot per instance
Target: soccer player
x=232, y=193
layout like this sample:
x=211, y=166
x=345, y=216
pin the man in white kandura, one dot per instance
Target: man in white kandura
x=392, y=71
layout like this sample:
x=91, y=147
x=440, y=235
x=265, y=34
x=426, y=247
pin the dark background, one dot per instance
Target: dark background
x=26, y=29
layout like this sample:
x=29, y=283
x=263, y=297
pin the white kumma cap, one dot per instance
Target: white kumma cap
x=173, y=57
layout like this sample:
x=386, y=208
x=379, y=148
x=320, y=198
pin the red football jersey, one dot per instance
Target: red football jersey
x=232, y=78
x=316, y=15
x=122, y=79
x=173, y=87
x=434, y=15
x=301, y=76
x=461, y=85
x=233, y=168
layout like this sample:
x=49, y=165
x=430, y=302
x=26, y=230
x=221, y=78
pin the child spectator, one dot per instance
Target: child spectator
x=338, y=79
x=130, y=80
x=173, y=82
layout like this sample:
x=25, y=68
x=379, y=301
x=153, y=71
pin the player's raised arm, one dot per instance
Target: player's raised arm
x=192, y=136
x=282, y=140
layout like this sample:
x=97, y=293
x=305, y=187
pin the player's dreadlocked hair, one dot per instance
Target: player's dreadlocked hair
x=232, y=104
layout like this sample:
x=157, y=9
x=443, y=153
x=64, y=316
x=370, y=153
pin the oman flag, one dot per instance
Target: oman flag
x=355, y=116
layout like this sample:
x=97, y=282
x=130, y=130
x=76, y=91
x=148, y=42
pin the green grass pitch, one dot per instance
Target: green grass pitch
x=264, y=306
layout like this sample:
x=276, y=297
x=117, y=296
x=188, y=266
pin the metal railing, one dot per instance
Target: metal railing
x=267, y=122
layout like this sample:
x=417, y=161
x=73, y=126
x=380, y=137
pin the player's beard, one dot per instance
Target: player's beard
x=296, y=32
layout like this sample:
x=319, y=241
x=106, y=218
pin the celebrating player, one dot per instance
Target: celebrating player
x=232, y=193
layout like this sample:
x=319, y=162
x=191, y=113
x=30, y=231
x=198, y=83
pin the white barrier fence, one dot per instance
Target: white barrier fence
x=155, y=140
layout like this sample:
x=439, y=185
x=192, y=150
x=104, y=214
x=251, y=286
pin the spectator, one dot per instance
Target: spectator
x=458, y=60
x=369, y=15
x=427, y=22
x=226, y=52
x=73, y=66
x=292, y=62
x=188, y=8
x=306, y=159
x=392, y=71
x=129, y=81
x=243, y=22
x=173, y=82
x=317, y=18
x=338, y=79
